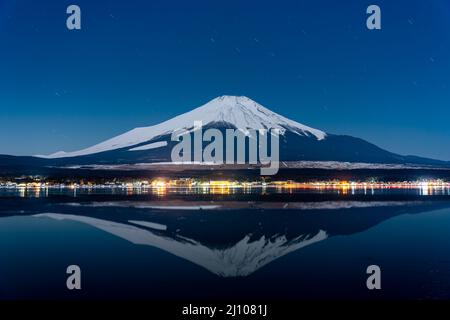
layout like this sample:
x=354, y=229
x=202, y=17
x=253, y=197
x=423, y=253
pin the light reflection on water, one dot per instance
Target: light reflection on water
x=162, y=191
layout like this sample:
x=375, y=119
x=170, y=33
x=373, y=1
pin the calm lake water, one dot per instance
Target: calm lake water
x=267, y=245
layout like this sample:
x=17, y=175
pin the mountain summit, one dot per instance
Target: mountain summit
x=244, y=113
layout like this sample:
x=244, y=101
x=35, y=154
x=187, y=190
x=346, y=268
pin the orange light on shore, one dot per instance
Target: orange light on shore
x=219, y=183
x=159, y=184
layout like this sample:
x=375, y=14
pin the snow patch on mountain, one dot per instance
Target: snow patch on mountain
x=239, y=112
x=149, y=146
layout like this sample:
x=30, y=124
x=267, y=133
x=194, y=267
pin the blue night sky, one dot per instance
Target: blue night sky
x=137, y=63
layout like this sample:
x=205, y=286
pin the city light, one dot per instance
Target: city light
x=343, y=186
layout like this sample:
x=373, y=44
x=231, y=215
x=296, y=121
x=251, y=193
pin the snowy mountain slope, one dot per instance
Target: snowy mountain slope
x=238, y=112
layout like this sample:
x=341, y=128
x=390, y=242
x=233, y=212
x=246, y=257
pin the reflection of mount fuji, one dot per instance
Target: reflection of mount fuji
x=241, y=259
x=233, y=243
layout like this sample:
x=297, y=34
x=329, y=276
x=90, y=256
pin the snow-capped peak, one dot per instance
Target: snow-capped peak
x=244, y=113
x=239, y=112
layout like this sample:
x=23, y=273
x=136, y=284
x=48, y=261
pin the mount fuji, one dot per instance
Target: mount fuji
x=298, y=142
x=223, y=112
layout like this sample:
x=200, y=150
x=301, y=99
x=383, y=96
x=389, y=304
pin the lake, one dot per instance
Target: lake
x=230, y=245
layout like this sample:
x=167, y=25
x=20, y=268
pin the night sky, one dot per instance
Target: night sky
x=137, y=63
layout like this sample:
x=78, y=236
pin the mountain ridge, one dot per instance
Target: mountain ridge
x=298, y=142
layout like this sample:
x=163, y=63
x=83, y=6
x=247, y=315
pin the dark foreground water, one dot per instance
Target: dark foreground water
x=259, y=246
